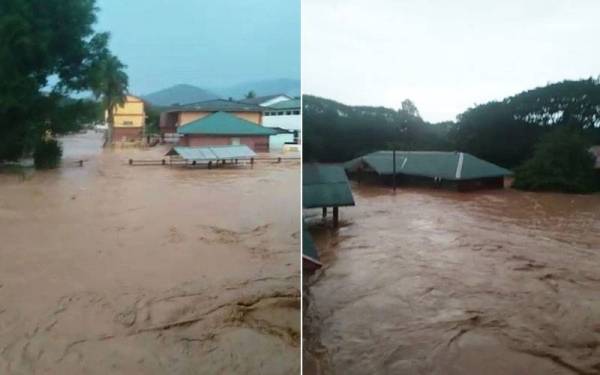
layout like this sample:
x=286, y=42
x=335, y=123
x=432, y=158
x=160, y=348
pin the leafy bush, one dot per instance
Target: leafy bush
x=561, y=162
x=47, y=154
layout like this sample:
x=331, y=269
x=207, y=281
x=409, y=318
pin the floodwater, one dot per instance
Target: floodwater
x=436, y=282
x=111, y=268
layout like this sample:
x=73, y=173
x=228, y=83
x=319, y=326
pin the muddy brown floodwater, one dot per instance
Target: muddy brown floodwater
x=437, y=282
x=111, y=268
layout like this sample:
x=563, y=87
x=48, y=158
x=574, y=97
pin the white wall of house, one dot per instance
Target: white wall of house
x=284, y=120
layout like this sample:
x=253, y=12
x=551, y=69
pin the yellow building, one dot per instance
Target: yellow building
x=129, y=120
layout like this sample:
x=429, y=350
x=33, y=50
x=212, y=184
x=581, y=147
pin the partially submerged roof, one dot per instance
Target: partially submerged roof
x=325, y=186
x=210, y=153
x=434, y=164
x=217, y=105
x=309, y=249
x=286, y=104
x=222, y=123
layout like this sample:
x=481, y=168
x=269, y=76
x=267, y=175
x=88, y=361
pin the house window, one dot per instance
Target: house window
x=235, y=141
x=280, y=113
x=288, y=113
x=127, y=122
x=296, y=112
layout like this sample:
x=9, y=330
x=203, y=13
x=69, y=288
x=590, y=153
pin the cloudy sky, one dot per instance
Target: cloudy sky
x=446, y=56
x=205, y=43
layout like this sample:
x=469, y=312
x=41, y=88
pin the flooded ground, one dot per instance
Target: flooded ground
x=437, y=282
x=121, y=269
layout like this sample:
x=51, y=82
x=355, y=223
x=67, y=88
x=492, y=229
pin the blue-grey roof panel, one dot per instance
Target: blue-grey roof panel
x=210, y=153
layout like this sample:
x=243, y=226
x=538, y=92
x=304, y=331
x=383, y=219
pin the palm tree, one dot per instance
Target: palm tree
x=110, y=86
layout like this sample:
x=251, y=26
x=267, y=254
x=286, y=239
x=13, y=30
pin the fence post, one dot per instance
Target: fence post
x=130, y=161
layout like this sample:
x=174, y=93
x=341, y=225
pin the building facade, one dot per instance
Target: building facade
x=221, y=129
x=129, y=120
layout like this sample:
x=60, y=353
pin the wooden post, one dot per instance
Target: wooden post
x=394, y=170
x=336, y=216
x=279, y=159
x=163, y=162
x=130, y=161
x=324, y=211
x=193, y=162
x=252, y=162
x=210, y=165
x=81, y=163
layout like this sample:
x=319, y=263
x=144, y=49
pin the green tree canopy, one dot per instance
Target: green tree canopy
x=48, y=50
x=561, y=162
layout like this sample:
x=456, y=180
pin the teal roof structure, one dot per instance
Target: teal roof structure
x=309, y=249
x=211, y=153
x=222, y=123
x=435, y=164
x=325, y=186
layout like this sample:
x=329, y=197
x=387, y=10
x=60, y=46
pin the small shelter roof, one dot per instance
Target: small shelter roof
x=309, y=249
x=212, y=153
x=325, y=186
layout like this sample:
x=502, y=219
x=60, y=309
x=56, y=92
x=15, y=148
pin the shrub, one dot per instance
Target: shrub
x=561, y=162
x=47, y=154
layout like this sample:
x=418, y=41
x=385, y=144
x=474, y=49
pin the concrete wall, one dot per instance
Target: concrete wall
x=126, y=134
x=256, y=143
x=289, y=122
x=130, y=114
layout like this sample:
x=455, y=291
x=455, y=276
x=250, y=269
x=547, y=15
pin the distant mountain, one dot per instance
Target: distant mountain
x=180, y=94
x=286, y=86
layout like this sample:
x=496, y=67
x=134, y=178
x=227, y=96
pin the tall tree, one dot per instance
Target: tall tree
x=251, y=94
x=47, y=51
x=409, y=107
x=109, y=84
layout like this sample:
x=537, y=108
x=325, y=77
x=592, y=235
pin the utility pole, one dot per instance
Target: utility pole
x=394, y=169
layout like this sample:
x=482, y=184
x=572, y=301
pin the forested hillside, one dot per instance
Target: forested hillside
x=503, y=132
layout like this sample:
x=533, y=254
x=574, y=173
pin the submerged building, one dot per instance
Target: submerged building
x=178, y=116
x=454, y=170
x=222, y=129
x=129, y=119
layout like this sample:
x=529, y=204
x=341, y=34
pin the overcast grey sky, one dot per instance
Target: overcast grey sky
x=205, y=43
x=446, y=56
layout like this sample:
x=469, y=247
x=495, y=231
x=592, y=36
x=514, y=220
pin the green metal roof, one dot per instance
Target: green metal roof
x=217, y=105
x=309, y=249
x=325, y=186
x=444, y=165
x=212, y=152
x=222, y=123
x=286, y=104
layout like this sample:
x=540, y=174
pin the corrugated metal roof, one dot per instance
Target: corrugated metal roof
x=261, y=99
x=222, y=123
x=325, y=186
x=286, y=104
x=309, y=249
x=212, y=153
x=217, y=105
x=444, y=165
